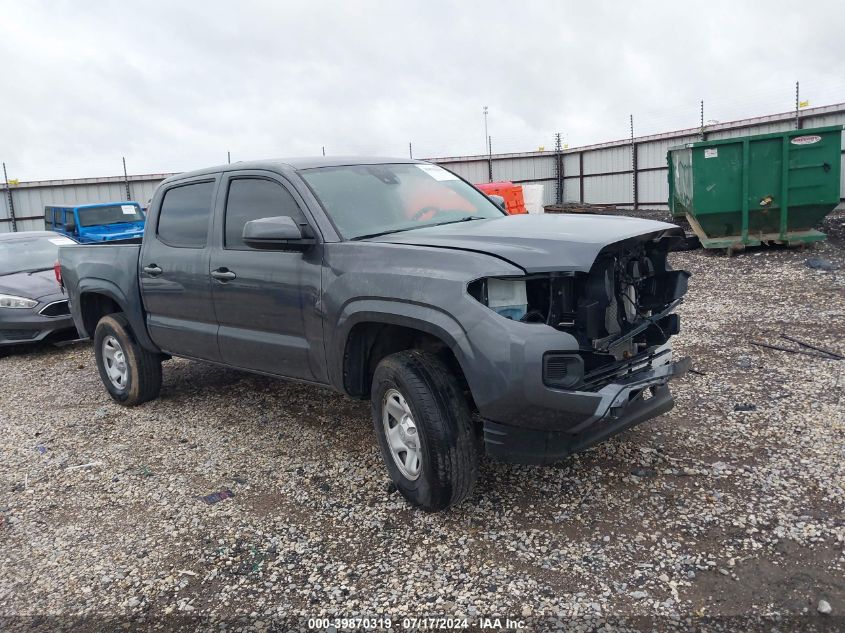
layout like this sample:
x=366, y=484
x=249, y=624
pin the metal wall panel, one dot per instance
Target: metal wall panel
x=524, y=168
x=4, y=209
x=617, y=188
x=571, y=165
x=475, y=171
x=142, y=191
x=653, y=154
x=571, y=190
x=782, y=126
x=653, y=187
x=602, y=161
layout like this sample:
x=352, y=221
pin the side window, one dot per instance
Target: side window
x=251, y=199
x=183, y=218
x=57, y=217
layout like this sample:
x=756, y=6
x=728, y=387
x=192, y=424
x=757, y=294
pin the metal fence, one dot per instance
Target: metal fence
x=629, y=173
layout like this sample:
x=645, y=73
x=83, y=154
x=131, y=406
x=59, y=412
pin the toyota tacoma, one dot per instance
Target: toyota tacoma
x=526, y=338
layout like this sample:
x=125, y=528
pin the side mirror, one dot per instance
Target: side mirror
x=499, y=201
x=276, y=234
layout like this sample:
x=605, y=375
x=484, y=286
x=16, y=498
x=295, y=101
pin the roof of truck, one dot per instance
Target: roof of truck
x=305, y=162
x=89, y=205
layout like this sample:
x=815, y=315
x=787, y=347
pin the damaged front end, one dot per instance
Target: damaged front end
x=620, y=311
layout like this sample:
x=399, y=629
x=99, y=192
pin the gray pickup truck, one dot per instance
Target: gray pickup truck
x=527, y=337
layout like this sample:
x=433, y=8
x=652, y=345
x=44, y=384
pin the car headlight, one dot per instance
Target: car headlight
x=11, y=301
x=544, y=298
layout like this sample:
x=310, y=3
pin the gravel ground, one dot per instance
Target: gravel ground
x=710, y=516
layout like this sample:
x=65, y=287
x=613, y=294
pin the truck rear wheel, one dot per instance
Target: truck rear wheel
x=424, y=430
x=130, y=373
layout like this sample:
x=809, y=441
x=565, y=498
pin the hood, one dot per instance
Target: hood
x=111, y=232
x=536, y=243
x=30, y=285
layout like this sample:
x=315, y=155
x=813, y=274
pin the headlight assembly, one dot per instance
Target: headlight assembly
x=544, y=298
x=11, y=301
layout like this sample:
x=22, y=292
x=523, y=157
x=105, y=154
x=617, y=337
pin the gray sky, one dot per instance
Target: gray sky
x=173, y=86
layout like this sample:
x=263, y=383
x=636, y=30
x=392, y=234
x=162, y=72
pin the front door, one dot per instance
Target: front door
x=174, y=272
x=266, y=302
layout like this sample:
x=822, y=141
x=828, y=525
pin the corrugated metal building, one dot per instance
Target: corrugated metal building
x=628, y=173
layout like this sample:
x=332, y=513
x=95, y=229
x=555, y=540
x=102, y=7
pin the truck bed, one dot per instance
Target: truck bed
x=110, y=270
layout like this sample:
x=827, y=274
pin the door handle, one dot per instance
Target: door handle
x=223, y=274
x=152, y=270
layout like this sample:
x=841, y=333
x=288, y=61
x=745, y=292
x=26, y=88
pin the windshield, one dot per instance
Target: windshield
x=366, y=200
x=30, y=254
x=112, y=214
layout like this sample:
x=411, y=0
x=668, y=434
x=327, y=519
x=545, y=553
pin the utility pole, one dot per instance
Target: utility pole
x=701, y=133
x=797, y=105
x=410, y=150
x=126, y=179
x=229, y=158
x=486, y=135
x=11, y=202
x=324, y=150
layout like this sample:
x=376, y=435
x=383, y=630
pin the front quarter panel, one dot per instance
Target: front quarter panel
x=426, y=288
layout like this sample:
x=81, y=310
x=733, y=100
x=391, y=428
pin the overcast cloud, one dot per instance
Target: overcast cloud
x=174, y=86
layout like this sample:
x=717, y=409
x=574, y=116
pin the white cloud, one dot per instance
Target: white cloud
x=173, y=86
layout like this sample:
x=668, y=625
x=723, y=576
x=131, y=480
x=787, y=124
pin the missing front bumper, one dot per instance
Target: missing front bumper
x=621, y=406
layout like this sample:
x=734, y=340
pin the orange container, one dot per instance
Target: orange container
x=514, y=202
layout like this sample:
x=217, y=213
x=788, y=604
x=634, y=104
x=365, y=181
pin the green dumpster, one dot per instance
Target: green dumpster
x=748, y=190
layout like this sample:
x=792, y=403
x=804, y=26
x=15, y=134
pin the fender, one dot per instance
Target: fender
x=425, y=318
x=132, y=309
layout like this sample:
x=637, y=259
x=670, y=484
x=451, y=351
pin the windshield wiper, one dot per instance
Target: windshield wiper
x=468, y=218
x=380, y=233
x=422, y=226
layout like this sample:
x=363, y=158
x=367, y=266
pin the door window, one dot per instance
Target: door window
x=251, y=199
x=184, y=214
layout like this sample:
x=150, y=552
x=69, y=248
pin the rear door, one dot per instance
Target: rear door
x=174, y=271
x=267, y=310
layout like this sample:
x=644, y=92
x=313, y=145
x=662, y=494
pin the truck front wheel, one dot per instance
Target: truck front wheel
x=424, y=429
x=130, y=373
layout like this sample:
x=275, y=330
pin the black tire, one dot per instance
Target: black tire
x=448, y=445
x=143, y=368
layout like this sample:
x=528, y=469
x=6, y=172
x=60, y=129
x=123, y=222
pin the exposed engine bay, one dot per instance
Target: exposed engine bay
x=619, y=310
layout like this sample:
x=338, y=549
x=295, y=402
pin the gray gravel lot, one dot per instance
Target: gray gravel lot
x=706, y=511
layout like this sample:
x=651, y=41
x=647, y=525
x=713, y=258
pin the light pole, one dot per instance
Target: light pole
x=486, y=137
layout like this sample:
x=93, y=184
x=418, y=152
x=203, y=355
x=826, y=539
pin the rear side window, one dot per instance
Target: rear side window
x=183, y=218
x=254, y=198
